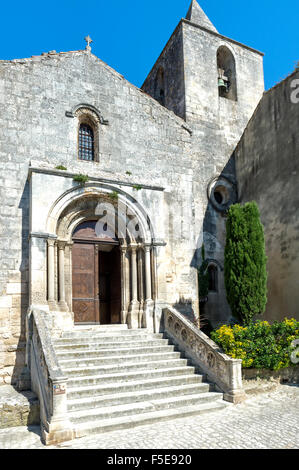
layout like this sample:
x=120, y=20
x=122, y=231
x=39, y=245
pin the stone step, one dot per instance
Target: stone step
x=125, y=422
x=129, y=376
x=95, y=345
x=98, y=361
x=86, y=329
x=129, y=409
x=123, y=367
x=108, y=338
x=77, y=353
x=137, y=396
x=132, y=386
x=100, y=333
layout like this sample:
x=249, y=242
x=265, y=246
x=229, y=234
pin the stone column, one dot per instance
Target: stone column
x=141, y=321
x=61, y=278
x=124, y=310
x=134, y=305
x=51, y=274
x=149, y=304
x=69, y=276
x=148, y=275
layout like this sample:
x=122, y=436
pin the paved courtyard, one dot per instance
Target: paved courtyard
x=265, y=421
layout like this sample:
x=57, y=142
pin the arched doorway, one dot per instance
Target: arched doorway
x=96, y=274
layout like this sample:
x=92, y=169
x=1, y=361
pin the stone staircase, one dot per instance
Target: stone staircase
x=120, y=378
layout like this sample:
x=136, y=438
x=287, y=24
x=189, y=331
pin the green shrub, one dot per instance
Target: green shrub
x=82, y=179
x=137, y=187
x=245, y=262
x=260, y=345
x=114, y=195
x=61, y=167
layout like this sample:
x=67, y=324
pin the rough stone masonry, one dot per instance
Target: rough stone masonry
x=169, y=146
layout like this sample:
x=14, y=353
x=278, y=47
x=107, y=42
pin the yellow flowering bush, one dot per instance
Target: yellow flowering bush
x=260, y=345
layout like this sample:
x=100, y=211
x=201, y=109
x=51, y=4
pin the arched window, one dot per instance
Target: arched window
x=160, y=86
x=227, y=82
x=86, y=142
x=213, y=278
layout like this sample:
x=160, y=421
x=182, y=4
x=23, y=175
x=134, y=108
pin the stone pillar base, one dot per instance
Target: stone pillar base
x=63, y=307
x=52, y=306
x=123, y=316
x=57, y=432
x=133, y=315
x=148, y=317
x=235, y=396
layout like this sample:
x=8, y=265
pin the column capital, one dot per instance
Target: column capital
x=133, y=247
x=61, y=244
x=51, y=241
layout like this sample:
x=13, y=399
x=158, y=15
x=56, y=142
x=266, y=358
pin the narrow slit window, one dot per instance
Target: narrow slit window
x=86, y=143
x=213, y=278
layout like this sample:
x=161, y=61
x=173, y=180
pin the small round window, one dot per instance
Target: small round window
x=222, y=193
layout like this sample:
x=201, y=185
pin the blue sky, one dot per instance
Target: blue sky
x=130, y=34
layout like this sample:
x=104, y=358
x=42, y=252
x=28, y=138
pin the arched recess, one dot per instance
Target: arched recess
x=227, y=80
x=88, y=115
x=213, y=277
x=127, y=220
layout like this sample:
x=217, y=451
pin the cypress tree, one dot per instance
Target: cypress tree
x=245, y=262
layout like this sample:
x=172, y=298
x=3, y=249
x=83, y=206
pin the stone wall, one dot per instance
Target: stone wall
x=142, y=138
x=18, y=409
x=139, y=142
x=217, y=125
x=172, y=62
x=267, y=171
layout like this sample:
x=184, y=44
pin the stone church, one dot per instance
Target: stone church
x=108, y=193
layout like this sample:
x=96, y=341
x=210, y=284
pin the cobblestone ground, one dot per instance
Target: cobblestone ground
x=267, y=421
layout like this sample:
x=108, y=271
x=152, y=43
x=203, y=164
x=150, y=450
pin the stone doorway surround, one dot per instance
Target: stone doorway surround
x=51, y=245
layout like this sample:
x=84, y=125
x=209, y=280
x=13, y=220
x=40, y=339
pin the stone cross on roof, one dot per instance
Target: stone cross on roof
x=88, y=40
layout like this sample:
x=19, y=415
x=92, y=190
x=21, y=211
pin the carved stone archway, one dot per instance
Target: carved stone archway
x=134, y=232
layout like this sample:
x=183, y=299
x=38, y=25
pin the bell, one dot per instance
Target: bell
x=222, y=84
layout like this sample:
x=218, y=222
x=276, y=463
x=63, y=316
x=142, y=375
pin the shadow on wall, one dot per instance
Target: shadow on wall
x=20, y=376
x=185, y=307
x=222, y=192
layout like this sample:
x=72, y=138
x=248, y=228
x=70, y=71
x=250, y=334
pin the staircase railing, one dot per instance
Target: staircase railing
x=47, y=379
x=224, y=371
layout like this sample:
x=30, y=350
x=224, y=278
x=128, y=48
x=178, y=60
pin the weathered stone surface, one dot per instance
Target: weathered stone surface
x=189, y=61
x=267, y=170
x=287, y=375
x=175, y=152
x=17, y=409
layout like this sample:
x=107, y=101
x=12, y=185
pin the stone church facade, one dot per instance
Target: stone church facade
x=162, y=170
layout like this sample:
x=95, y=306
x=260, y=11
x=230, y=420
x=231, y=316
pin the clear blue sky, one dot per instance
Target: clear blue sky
x=130, y=34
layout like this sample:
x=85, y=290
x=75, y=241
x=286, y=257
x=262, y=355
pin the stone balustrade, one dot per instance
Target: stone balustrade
x=224, y=371
x=47, y=380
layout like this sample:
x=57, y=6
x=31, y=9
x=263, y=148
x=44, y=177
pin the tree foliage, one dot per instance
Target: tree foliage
x=245, y=262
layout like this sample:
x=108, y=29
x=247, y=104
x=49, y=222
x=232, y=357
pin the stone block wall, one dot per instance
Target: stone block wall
x=142, y=138
x=268, y=172
x=217, y=125
x=139, y=142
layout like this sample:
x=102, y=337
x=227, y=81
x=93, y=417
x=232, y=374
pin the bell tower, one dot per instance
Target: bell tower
x=214, y=83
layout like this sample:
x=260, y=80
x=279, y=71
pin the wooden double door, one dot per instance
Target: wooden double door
x=96, y=283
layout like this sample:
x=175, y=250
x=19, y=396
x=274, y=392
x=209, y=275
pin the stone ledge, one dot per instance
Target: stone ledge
x=287, y=375
x=18, y=408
